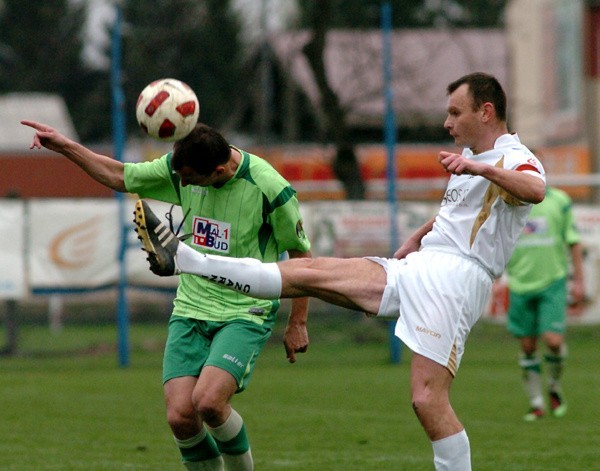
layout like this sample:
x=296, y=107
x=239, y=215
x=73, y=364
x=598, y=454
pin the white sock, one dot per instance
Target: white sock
x=228, y=430
x=532, y=380
x=452, y=453
x=246, y=275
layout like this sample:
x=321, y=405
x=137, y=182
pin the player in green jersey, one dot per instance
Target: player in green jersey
x=537, y=282
x=237, y=205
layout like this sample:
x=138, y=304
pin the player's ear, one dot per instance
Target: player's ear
x=488, y=111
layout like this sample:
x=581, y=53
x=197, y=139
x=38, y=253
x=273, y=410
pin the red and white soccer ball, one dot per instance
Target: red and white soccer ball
x=167, y=109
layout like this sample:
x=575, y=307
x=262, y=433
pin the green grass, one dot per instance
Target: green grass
x=66, y=405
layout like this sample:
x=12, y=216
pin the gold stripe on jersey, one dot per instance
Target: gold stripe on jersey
x=491, y=195
x=452, y=361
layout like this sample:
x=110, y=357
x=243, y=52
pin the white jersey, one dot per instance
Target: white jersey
x=477, y=218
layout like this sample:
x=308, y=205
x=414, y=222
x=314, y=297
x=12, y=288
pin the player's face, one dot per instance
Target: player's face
x=463, y=122
x=189, y=176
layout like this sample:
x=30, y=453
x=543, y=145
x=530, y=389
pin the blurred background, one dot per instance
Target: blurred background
x=345, y=98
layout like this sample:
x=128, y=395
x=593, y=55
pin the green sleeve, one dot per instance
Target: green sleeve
x=153, y=180
x=287, y=223
x=571, y=233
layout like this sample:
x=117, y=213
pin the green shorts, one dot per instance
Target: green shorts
x=232, y=346
x=531, y=314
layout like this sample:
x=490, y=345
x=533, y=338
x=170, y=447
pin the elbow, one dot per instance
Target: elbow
x=538, y=193
x=114, y=181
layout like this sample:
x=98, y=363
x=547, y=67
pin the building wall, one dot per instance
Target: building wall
x=545, y=50
x=44, y=176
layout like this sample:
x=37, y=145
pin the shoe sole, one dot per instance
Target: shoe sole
x=163, y=236
x=532, y=417
x=140, y=222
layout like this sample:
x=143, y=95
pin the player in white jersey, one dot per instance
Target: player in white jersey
x=476, y=216
x=440, y=279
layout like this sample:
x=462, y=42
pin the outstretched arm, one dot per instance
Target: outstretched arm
x=101, y=168
x=524, y=187
x=295, y=337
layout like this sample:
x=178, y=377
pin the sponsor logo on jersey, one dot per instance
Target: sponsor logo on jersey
x=455, y=197
x=211, y=234
x=536, y=226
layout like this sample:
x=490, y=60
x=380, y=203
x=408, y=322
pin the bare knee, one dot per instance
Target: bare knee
x=430, y=386
x=528, y=345
x=435, y=414
x=424, y=402
x=182, y=419
x=181, y=415
x=553, y=342
x=211, y=408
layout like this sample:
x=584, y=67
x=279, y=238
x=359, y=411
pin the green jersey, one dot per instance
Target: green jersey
x=255, y=214
x=541, y=256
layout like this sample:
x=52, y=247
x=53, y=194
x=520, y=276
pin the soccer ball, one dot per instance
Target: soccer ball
x=167, y=109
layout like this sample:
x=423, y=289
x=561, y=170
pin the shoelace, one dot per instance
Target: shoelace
x=169, y=217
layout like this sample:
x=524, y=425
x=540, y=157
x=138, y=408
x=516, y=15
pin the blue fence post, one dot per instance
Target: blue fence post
x=390, y=142
x=119, y=138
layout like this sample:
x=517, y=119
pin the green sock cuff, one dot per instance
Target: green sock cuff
x=551, y=358
x=200, y=450
x=237, y=445
x=530, y=363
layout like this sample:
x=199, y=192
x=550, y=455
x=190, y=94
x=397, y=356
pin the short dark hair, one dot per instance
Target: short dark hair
x=203, y=150
x=483, y=88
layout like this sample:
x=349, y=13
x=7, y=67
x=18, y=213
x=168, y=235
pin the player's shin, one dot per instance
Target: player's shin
x=200, y=453
x=233, y=443
x=452, y=453
x=532, y=380
x=555, y=364
x=246, y=275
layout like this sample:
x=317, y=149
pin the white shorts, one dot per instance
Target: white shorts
x=438, y=297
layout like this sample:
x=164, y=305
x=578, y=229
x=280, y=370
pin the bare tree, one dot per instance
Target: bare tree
x=345, y=164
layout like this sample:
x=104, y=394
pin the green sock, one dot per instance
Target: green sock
x=201, y=447
x=554, y=364
x=232, y=440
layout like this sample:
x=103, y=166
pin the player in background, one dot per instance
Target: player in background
x=440, y=279
x=236, y=205
x=537, y=282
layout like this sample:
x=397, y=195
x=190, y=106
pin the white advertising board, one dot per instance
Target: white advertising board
x=12, y=274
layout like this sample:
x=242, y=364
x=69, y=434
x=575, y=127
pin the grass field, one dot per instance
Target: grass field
x=66, y=405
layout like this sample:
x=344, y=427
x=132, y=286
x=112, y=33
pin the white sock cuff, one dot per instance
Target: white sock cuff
x=529, y=362
x=271, y=283
x=457, y=437
x=228, y=429
x=192, y=441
